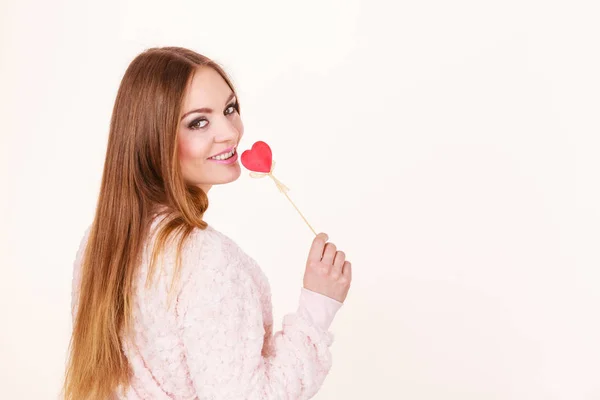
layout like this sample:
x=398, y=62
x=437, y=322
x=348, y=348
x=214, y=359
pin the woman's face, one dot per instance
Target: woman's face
x=210, y=131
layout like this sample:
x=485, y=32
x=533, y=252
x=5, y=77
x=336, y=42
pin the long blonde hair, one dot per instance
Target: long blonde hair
x=141, y=179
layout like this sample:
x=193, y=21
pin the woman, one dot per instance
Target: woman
x=164, y=305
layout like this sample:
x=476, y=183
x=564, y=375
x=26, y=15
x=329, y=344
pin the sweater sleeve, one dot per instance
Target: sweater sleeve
x=222, y=332
x=76, y=280
x=319, y=308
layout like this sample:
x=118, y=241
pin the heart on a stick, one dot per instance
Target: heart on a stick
x=259, y=158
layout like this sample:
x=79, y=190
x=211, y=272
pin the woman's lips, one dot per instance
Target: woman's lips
x=223, y=152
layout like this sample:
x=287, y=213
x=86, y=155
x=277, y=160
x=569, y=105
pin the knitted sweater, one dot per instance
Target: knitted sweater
x=216, y=341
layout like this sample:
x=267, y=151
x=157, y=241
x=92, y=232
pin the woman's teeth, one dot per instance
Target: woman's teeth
x=224, y=156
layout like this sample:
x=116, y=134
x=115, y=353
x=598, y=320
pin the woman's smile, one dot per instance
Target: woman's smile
x=225, y=158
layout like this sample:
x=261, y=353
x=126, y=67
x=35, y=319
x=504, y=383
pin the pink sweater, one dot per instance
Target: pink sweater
x=216, y=342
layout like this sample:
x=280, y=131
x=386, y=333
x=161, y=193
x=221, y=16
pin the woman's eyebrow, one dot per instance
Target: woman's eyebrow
x=206, y=110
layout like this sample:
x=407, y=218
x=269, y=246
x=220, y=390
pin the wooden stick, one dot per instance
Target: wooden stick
x=288, y=197
x=283, y=189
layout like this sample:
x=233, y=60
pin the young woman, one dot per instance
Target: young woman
x=165, y=306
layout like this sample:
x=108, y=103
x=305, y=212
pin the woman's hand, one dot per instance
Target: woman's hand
x=327, y=271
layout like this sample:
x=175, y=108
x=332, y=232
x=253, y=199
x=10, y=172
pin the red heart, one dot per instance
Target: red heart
x=258, y=158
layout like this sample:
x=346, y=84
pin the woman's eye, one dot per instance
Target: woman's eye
x=231, y=109
x=198, y=123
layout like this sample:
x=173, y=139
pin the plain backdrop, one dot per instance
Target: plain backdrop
x=450, y=148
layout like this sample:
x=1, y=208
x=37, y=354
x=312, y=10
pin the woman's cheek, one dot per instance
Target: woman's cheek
x=184, y=153
x=192, y=150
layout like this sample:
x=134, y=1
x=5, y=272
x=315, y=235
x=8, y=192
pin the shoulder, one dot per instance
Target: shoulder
x=215, y=245
x=203, y=248
x=209, y=253
x=213, y=270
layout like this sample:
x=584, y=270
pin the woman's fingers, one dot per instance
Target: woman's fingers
x=347, y=271
x=316, y=250
x=327, y=271
x=329, y=253
x=338, y=262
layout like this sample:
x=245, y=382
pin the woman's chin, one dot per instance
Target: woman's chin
x=221, y=176
x=230, y=176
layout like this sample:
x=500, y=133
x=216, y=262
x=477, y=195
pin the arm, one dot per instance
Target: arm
x=222, y=332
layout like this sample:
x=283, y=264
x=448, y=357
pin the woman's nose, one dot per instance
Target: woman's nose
x=226, y=131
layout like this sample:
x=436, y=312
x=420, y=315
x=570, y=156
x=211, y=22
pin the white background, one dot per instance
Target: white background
x=450, y=148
